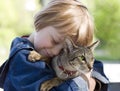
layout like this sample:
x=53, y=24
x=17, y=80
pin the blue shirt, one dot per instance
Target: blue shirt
x=19, y=74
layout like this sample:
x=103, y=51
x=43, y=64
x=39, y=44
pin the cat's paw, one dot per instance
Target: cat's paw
x=33, y=56
x=47, y=85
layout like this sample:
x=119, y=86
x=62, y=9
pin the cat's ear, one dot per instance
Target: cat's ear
x=68, y=45
x=94, y=45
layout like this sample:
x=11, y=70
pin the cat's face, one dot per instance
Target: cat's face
x=76, y=58
x=81, y=59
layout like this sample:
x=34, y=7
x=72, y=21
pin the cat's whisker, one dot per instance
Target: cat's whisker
x=76, y=68
x=66, y=76
x=61, y=72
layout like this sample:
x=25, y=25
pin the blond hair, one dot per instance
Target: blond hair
x=70, y=17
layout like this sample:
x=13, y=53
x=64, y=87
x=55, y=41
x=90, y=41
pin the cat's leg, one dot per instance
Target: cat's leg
x=47, y=85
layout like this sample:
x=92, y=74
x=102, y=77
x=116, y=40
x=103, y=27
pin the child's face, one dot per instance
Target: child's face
x=48, y=41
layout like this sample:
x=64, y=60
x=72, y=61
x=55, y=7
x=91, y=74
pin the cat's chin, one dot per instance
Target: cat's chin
x=60, y=72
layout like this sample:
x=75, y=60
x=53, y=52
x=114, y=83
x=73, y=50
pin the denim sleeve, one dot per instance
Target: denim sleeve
x=68, y=85
x=28, y=76
x=81, y=83
x=98, y=72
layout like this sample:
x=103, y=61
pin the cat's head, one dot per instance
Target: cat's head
x=77, y=57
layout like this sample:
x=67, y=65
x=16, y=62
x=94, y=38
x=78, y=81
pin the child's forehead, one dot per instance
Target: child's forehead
x=60, y=33
x=66, y=31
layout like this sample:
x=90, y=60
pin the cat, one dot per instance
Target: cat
x=71, y=62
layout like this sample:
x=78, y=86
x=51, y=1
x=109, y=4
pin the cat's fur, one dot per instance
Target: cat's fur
x=71, y=62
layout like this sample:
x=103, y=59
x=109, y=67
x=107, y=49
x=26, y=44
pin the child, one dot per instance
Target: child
x=59, y=19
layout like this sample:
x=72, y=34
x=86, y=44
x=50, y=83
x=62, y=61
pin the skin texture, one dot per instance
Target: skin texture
x=48, y=41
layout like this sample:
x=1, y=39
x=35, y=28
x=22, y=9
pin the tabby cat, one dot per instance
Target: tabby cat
x=71, y=62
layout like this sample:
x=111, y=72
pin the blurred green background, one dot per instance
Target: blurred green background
x=16, y=19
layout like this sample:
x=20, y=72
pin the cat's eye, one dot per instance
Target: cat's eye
x=82, y=57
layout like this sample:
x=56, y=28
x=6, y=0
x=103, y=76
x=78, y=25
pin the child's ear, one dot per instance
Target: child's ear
x=94, y=45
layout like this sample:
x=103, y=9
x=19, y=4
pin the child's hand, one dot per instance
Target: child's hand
x=92, y=82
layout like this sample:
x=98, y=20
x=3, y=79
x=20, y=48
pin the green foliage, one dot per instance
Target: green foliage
x=15, y=20
x=107, y=22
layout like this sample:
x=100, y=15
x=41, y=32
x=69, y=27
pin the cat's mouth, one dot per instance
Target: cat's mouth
x=65, y=71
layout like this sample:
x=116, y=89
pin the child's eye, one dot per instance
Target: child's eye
x=55, y=42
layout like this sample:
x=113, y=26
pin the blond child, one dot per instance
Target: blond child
x=59, y=19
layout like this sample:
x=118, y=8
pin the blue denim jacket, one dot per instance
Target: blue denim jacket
x=19, y=74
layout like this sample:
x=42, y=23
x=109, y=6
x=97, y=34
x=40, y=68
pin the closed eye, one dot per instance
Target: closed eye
x=54, y=42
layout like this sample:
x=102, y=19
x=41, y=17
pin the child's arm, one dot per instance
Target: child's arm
x=24, y=75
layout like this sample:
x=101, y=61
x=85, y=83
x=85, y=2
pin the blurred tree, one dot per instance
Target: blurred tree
x=15, y=20
x=44, y=2
x=107, y=21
